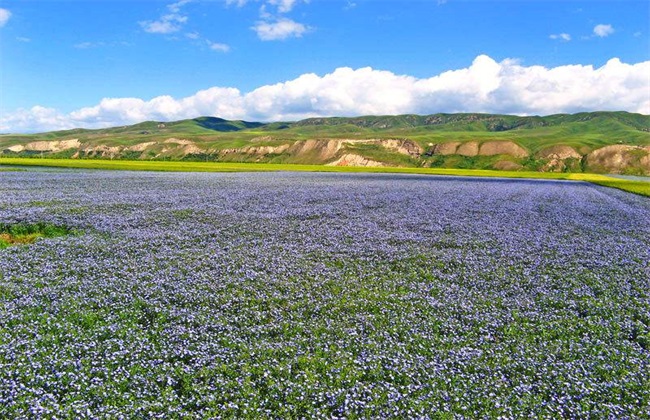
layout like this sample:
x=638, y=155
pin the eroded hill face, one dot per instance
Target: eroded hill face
x=618, y=158
x=588, y=142
x=500, y=155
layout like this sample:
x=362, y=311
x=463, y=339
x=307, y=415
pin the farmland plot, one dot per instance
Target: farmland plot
x=283, y=295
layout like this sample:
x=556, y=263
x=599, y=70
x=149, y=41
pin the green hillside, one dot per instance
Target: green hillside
x=529, y=143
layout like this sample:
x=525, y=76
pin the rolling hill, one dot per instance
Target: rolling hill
x=600, y=142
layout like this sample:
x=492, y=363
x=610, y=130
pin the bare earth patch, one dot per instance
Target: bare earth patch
x=141, y=147
x=558, y=152
x=266, y=150
x=448, y=148
x=46, y=146
x=468, y=149
x=351, y=159
x=491, y=148
x=619, y=158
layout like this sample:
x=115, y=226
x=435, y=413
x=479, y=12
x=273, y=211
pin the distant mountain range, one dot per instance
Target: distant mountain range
x=609, y=142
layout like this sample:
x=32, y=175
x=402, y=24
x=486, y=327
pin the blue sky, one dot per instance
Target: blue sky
x=60, y=57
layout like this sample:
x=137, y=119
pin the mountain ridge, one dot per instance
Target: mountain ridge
x=498, y=122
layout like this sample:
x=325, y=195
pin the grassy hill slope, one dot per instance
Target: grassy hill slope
x=433, y=141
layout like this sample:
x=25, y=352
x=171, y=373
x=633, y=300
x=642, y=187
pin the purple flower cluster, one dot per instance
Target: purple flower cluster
x=282, y=295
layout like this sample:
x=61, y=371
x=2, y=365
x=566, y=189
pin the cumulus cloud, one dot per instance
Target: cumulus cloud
x=562, y=36
x=603, y=31
x=273, y=25
x=484, y=86
x=279, y=29
x=119, y=111
x=4, y=16
x=35, y=119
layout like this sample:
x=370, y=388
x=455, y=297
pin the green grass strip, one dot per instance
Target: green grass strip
x=24, y=234
x=637, y=187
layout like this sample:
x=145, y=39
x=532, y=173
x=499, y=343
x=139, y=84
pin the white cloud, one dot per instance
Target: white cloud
x=168, y=23
x=4, y=16
x=484, y=86
x=175, y=21
x=84, y=45
x=239, y=3
x=280, y=29
x=562, y=36
x=216, y=46
x=273, y=25
x=284, y=6
x=23, y=39
x=603, y=30
x=35, y=119
x=100, y=44
x=176, y=7
x=200, y=41
x=120, y=111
